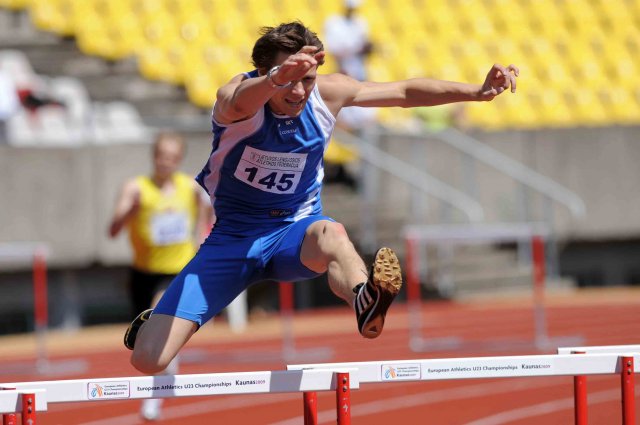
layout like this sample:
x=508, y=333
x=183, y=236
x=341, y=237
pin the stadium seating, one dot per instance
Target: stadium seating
x=60, y=112
x=579, y=58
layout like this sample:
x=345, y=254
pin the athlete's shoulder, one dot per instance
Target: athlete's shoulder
x=135, y=183
x=336, y=84
x=337, y=89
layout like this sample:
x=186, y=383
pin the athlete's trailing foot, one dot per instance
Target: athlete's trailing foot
x=374, y=297
x=132, y=331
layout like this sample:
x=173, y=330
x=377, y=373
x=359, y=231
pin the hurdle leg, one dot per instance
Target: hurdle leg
x=310, y=401
x=413, y=294
x=343, y=398
x=538, y=259
x=41, y=309
x=28, y=409
x=580, y=397
x=627, y=375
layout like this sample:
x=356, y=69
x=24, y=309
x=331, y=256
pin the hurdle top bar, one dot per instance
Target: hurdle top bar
x=603, y=349
x=505, y=232
x=480, y=367
x=161, y=386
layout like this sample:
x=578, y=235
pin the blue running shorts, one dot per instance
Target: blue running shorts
x=226, y=265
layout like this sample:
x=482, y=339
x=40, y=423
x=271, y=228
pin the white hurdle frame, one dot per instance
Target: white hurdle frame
x=14, y=396
x=501, y=367
x=533, y=233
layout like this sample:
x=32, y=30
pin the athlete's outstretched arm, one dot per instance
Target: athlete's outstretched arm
x=242, y=97
x=344, y=91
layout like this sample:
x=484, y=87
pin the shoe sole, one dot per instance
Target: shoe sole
x=387, y=277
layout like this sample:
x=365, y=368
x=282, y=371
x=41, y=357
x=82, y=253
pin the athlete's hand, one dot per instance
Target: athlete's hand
x=297, y=65
x=498, y=80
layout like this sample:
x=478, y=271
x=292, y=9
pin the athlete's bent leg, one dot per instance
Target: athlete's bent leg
x=158, y=342
x=327, y=248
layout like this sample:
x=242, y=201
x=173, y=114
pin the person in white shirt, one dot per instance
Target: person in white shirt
x=347, y=39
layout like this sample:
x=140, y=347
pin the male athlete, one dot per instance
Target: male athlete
x=264, y=176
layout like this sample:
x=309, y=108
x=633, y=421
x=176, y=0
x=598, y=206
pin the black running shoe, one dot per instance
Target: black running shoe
x=374, y=297
x=132, y=331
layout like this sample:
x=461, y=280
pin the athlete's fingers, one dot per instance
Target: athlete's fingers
x=308, y=49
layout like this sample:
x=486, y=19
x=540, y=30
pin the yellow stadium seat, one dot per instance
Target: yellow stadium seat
x=53, y=15
x=623, y=107
x=510, y=18
x=15, y=4
x=485, y=116
x=113, y=40
x=587, y=107
x=515, y=111
x=195, y=29
x=201, y=90
x=162, y=62
x=621, y=69
x=552, y=109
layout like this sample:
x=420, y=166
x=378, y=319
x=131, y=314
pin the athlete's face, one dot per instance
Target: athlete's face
x=167, y=158
x=292, y=99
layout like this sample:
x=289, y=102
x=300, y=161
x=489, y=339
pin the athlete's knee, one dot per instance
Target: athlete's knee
x=334, y=238
x=148, y=361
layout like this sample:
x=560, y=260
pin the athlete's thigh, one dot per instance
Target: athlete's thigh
x=286, y=263
x=212, y=279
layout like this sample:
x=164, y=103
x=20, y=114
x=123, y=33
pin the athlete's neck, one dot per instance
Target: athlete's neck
x=162, y=181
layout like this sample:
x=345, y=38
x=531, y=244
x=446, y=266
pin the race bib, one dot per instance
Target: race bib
x=169, y=228
x=273, y=172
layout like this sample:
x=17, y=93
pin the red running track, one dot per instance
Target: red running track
x=515, y=401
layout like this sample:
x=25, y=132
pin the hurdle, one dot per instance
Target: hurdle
x=37, y=253
x=450, y=235
x=27, y=398
x=399, y=371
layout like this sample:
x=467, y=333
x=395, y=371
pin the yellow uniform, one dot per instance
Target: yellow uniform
x=161, y=232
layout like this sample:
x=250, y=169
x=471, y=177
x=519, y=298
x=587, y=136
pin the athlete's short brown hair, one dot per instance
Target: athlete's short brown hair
x=288, y=38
